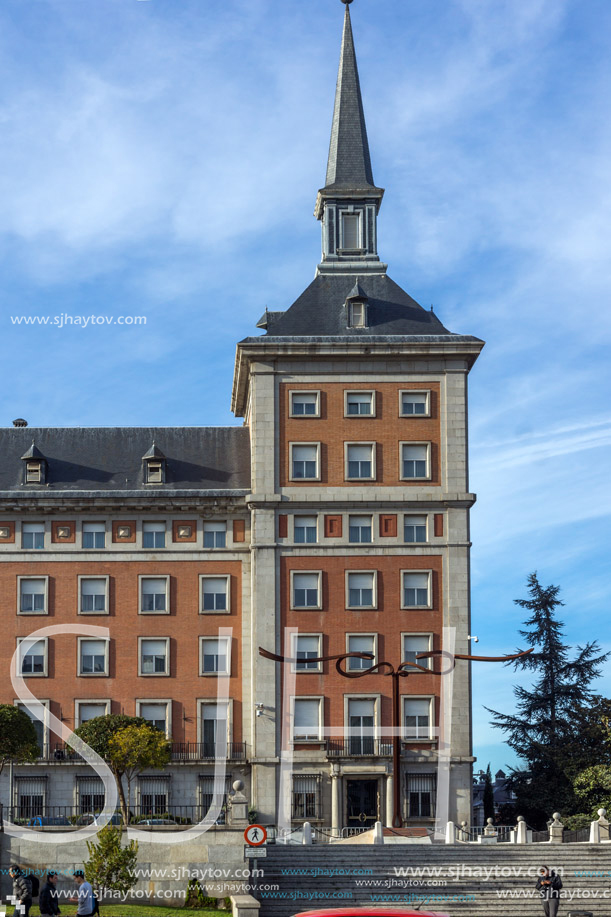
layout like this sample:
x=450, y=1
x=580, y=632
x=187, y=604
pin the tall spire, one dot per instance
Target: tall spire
x=348, y=204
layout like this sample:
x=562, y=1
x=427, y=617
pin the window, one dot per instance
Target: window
x=414, y=404
x=206, y=790
x=215, y=534
x=306, y=796
x=40, y=721
x=306, y=529
x=414, y=529
x=306, y=721
x=93, y=657
x=86, y=710
x=358, y=315
x=361, y=719
x=154, y=595
x=351, y=231
x=33, y=535
x=215, y=656
x=417, y=590
x=33, y=595
x=33, y=658
x=156, y=714
x=414, y=644
x=305, y=404
x=91, y=795
x=359, y=404
x=215, y=730
x=154, y=471
x=154, y=656
x=360, y=529
x=215, y=593
x=417, y=717
x=360, y=643
x=306, y=590
x=33, y=472
x=360, y=461
x=153, y=534
x=154, y=795
x=421, y=792
x=414, y=460
x=94, y=535
x=361, y=590
x=304, y=461
x=306, y=647
x=30, y=796
x=93, y=593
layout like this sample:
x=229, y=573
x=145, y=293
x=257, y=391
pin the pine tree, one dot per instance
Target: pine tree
x=111, y=866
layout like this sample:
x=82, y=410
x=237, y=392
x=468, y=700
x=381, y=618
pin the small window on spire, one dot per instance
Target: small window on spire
x=351, y=235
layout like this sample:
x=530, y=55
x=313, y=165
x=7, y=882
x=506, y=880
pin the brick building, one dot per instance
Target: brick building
x=340, y=509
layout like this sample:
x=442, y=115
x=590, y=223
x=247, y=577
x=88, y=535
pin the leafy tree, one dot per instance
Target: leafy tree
x=593, y=789
x=543, y=728
x=18, y=740
x=142, y=747
x=488, y=797
x=111, y=866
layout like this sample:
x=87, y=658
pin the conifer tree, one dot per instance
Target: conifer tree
x=488, y=797
x=110, y=866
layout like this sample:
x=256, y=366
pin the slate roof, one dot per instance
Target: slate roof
x=110, y=458
x=321, y=310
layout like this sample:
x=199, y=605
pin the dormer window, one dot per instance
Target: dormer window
x=358, y=314
x=154, y=473
x=153, y=463
x=34, y=466
x=33, y=472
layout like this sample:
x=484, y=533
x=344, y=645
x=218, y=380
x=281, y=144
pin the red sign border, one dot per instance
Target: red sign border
x=257, y=843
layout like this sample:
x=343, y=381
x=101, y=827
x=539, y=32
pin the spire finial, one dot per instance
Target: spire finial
x=346, y=2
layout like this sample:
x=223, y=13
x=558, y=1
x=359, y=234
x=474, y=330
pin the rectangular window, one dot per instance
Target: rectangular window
x=415, y=404
x=40, y=725
x=421, y=793
x=304, y=461
x=414, y=529
x=154, y=795
x=306, y=647
x=87, y=711
x=306, y=722
x=305, y=529
x=94, y=535
x=34, y=658
x=360, y=529
x=215, y=730
x=33, y=536
x=361, y=719
x=33, y=472
x=351, y=231
x=154, y=656
x=215, y=655
x=306, y=589
x=305, y=404
x=155, y=715
x=417, y=715
x=215, y=534
x=306, y=797
x=93, y=595
x=91, y=795
x=33, y=595
x=417, y=590
x=154, y=472
x=153, y=534
x=361, y=589
x=153, y=594
x=360, y=461
x=206, y=790
x=359, y=404
x=358, y=315
x=215, y=593
x=361, y=643
x=93, y=657
x=414, y=460
x=30, y=796
x=414, y=644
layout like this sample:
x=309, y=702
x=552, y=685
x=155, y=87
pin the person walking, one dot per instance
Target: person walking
x=548, y=886
x=22, y=891
x=48, y=900
x=86, y=903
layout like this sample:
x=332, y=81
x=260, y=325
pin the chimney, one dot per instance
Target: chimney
x=20, y=422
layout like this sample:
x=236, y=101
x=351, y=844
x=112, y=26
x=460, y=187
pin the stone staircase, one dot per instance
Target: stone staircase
x=473, y=877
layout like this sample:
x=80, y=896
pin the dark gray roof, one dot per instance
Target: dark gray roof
x=321, y=309
x=110, y=458
x=349, y=165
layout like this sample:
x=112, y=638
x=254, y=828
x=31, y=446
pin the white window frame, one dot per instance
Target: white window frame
x=318, y=605
x=86, y=701
x=215, y=522
x=46, y=730
x=294, y=645
x=373, y=447
x=372, y=607
x=162, y=522
x=305, y=516
x=427, y=476
x=167, y=701
x=228, y=643
x=360, y=304
x=79, y=658
x=374, y=637
x=425, y=516
x=83, y=533
x=45, y=671
x=44, y=536
x=167, y=672
x=355, y=214
x=145, y=576
x=317, y=475
x=427, y=663
x=361, y=516
x=415, y=391
x=429, y=604
x=377, y=701
x=28, y=614
x=203, y=702
x=360, y=391
x=215, y=611
x=431, y=699
x=106, y=594
x=311, y=697
x=314, y=392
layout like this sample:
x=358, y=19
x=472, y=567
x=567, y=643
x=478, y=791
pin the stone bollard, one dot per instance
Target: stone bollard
x=490, y=835
x=238, y=805
x=556, y=829
x=520, y=832
x=603, y=825
x=307, y=834
x=378, y=833
x=594, y=833
x=463, y=832
x=450, y=833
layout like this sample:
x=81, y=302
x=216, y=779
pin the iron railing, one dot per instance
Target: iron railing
x=180, y=751
x=358, y=747
x=42, y=816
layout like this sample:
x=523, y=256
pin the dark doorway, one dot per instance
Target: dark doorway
x=362, y=803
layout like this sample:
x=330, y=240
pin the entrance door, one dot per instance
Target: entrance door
x=362, y=803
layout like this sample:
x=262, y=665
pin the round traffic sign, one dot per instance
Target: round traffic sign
x=255, y=835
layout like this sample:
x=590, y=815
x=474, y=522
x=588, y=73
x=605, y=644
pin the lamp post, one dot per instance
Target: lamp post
x=401, y=671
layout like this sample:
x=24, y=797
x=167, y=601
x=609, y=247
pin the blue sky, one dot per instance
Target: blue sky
x=161, y=159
